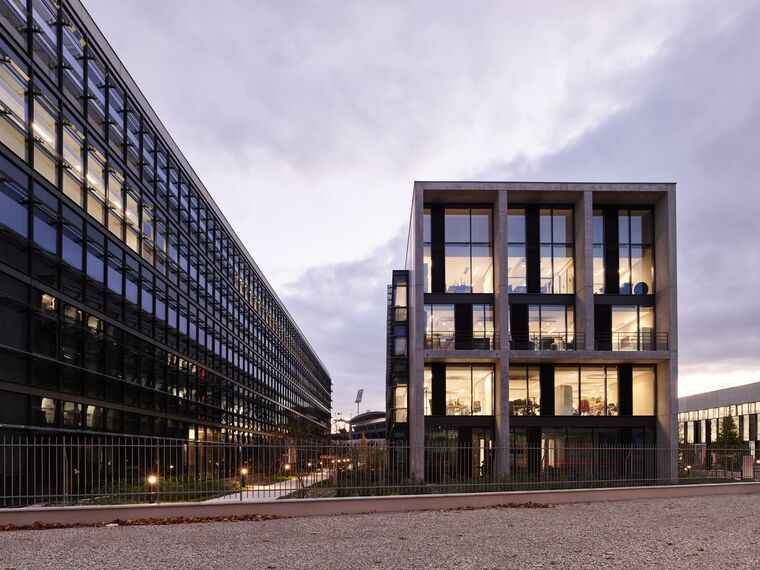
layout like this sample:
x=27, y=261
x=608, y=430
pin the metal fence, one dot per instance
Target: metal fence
x=86, y=470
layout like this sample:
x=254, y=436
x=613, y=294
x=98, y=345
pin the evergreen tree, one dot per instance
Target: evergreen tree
x=728, y=434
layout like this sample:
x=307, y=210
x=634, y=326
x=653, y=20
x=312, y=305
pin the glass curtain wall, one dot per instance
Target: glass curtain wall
x=122, y=229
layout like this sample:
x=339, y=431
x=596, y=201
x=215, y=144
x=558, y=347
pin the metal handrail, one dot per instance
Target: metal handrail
x=461, y=341
x=546, y=341
x=631, y=341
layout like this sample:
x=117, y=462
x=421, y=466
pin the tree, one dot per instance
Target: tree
x=728, y=434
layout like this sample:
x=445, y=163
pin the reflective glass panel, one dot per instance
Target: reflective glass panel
x=457, y=225
x=566, y=391
x=458, y=391
x=516, y=269
x=643, y=391
x=482, y=269
x=593, y=393
x=482, y=390
x=481, y=226
x=458, y=277
x=427, y=388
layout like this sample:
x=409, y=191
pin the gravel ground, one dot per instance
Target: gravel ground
x=701, y=532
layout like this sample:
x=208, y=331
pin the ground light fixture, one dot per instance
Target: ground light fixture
x=152, y=480
x=243, y=473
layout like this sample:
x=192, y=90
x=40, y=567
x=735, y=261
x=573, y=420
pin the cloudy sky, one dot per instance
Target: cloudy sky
x=309, y=122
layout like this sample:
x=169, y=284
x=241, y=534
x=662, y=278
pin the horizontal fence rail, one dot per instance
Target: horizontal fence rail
x=54, y=470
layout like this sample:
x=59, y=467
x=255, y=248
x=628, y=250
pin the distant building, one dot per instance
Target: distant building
x=370, y=424
x=700, y=415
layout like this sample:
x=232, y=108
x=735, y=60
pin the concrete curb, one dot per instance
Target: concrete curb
x=356, y=505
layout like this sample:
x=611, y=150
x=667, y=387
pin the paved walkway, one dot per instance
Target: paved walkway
x=695, y=532
x=273, y=491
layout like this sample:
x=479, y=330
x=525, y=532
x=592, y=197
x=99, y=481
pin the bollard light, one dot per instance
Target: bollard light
x=287, y=467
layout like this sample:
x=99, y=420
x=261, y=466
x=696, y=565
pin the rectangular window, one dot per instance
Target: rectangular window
x=517, y=276
x=73, y=152
x=633, y=328
x=45, y=37
x=45, y=136
x=469, y=251
x=96, y=176
x=469, y=390
x=598, y=251
x=550, y=327
x=46, y=221
x=566, y=391
x=483, y=328
x=643, y=391
x=524, y=391
x=13, y=106
x=73, y=57
x=557, y=268
x=72, y=239
x=439, y=327
x=95, y=255
x=400, y=403
x=593, y=391
x=635, y=233
x=427, y=389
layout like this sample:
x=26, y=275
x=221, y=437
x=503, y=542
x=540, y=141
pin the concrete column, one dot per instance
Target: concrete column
x=416, y=412
x=584, y=270
x=666, y=315
x=501, y=323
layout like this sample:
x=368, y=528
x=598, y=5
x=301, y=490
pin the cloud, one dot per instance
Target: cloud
x=295, y=113
x=309, y=121
x=341, y=308
x=697, y=122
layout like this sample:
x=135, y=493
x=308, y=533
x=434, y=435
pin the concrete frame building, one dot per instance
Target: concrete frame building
x=128, y=304
x=535, y=315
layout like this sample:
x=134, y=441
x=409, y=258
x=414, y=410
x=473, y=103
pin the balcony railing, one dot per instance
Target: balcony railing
x=452, y=341
x=633, y=341
x=540, y=341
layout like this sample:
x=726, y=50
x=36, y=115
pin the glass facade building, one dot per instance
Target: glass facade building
x=536, y=315
x=700, y=416
x=127, y=303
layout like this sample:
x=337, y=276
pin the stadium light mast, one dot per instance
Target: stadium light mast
x=358, y=401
